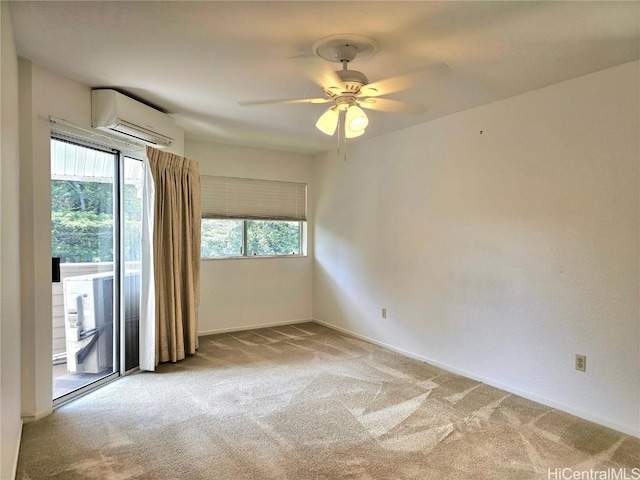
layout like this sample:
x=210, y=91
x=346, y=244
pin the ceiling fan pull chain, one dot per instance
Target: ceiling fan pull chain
x=345, y=148
x=344, y=135
x=341, y=137
x=339, y=130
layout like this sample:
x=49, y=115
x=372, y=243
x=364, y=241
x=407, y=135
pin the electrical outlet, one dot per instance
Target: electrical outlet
x=581, y=363
x=384, y=312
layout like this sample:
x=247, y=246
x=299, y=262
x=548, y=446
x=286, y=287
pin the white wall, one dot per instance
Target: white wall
x=245, y=292
x=10, y=423
x=503, y=240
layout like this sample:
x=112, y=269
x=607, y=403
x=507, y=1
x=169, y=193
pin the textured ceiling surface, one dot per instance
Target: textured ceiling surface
x=197, y=60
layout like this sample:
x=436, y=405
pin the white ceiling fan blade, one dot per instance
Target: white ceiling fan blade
x=403, y=82
x=285, y=100
x=390, y=105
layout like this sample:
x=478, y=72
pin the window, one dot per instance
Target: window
x=222, y=238
x=232, y=238
x=246, y=217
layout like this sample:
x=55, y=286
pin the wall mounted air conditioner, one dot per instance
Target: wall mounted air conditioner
x=125, y=117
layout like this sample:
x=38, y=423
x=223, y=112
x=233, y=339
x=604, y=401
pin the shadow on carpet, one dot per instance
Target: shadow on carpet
x=306, y=402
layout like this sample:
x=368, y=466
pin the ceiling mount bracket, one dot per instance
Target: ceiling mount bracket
x=345, y=48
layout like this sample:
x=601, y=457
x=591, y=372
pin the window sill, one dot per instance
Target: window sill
x=246, y=257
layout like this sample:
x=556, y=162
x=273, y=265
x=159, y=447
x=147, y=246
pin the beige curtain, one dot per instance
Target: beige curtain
x=176, y=259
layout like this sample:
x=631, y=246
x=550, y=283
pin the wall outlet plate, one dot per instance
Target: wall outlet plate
x=581, y=363
x=384, y=312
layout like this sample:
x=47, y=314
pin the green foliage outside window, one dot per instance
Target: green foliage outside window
x=221, y=238
x=82, y=221
x=273, y=238
x=224, y=238
x=82, y=237
x=82, y=227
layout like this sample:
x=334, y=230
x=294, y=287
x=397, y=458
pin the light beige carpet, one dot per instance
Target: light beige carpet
x=306, y=402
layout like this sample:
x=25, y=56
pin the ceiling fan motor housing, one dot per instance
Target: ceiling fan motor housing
x=345, y=49
x=351, y=81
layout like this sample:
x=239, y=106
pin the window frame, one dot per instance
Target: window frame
x=302, y=242
x=250, y=199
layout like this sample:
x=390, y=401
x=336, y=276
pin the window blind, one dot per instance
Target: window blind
x=250, y=199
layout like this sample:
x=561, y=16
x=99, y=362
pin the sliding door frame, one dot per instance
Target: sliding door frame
x=118, y=306
x=122, y=269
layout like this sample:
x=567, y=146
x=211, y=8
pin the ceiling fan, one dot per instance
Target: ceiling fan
x=350, y=90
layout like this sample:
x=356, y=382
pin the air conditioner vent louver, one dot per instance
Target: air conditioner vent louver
x=140, y=133
x=125, y=117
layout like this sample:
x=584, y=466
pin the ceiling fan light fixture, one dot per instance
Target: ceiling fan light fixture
x=328, y=121
x=356, y=121
x=352, y=133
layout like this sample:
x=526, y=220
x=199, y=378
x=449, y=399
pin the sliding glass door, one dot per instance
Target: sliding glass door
x=95, y=212
x=131, y=223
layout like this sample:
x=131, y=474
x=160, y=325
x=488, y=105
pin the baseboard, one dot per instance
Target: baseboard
x=16, y=455
x=253, y=327
x=516, y=391
x=33, y=417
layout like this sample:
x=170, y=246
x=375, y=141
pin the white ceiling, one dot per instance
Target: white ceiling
x=196, y=60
